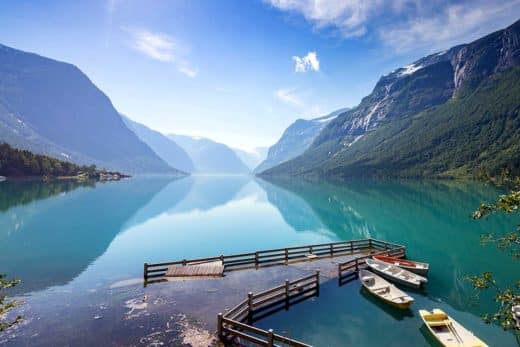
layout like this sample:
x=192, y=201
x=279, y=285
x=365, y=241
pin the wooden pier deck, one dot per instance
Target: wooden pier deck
x=265, y=273
x=211, y=269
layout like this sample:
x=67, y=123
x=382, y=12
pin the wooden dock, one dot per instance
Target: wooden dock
x=342, y=259
x=154, y=273
x=211, y=269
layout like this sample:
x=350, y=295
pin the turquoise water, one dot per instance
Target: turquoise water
x=70, y=243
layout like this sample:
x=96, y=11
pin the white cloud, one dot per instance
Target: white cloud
x=454, y=24
x=349, y=16
x=299, y=99
x=154, y=45
x=404, y=25
x=308, y=62
x=187, y=71
x=290, y=97
x=161, y=47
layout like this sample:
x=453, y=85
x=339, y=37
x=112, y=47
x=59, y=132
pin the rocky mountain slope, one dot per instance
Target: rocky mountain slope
x=210, y=157
x=296, y=139
x=52, y=108
x=452, y=113
x=164, y=147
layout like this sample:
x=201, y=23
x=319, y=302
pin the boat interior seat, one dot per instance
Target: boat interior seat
x=439, y=323
x=436, y=317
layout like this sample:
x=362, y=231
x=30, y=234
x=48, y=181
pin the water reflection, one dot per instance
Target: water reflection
x=49, y=242
x=432, y=218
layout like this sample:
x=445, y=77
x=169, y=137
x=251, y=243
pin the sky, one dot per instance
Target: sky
x=241, y=71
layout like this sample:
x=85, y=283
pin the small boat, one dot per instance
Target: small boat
x=396, y=274
x=413, y=266
x=384, y=290
x=447, y=331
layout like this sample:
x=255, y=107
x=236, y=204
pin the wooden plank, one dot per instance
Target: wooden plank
x=206, y=269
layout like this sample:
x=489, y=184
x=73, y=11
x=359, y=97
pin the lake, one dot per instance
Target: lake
x=79, y=250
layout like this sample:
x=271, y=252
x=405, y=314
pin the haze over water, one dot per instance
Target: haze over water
x=73, y=244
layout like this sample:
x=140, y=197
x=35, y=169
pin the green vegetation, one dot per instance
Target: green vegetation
x=506, y=296
x=7, y=305
x=21, y=163
x=476, y=131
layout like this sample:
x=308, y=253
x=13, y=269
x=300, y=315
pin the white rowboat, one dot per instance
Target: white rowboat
x=396, y=274
x=448, y=331
x=384, y=290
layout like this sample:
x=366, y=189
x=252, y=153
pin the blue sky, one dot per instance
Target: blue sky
x=240, y=71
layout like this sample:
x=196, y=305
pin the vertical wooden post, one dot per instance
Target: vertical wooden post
x=286, y=256
x=357, y=265
x=310, y=249
x=250, y=307
x=270, y=338
x=331, y=246
x=219, y=326
x=145, y=274
x=351, y=247
x=256, y=259
x=386, y=246
x=287, y=294
x=370, y=245
x=317, y=282
x=183, y=262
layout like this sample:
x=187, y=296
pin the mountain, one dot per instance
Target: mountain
x=296, y=139
x=450, y=114
x=252, y=158
x=52, y=108
x=164, y=147
x=209, y=156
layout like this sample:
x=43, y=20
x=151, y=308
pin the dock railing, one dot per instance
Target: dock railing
x=236, y=323
x=279, y=256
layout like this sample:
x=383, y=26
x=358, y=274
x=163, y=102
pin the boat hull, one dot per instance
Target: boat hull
x=384, y=291
x=402, y=264
x=396, y=279
x=447, y=327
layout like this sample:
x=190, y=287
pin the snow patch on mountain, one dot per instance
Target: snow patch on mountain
x=409, y=69
x=325, y=120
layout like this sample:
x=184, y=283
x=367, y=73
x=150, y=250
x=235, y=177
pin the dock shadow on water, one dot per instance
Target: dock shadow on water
x=80, y=252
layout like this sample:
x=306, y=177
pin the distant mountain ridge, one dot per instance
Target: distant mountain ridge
x=296, y=139
x=210, y=157
x=52, y=108
x=163, y=146
x=451, y=113
x=252, y=158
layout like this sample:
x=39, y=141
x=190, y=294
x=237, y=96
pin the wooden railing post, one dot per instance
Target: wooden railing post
x=256, y=259
x=351, y=247
x=370, y=245
x=286, y=256
x=287, y=297
x=331, y=246
x=270, y=338
x=250, y=307
x=386, y=246
x=317, y=282
x=357, y=265
x=219, y=326
x=145, y=273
